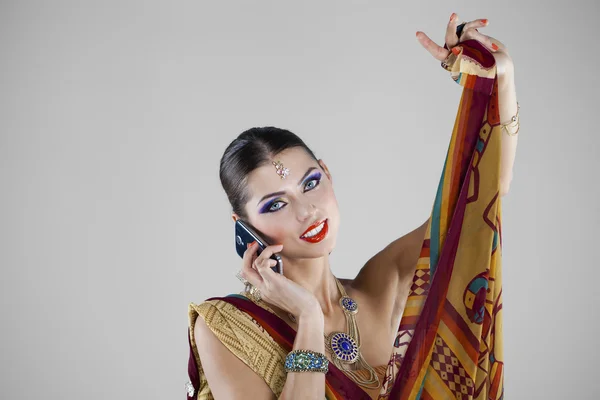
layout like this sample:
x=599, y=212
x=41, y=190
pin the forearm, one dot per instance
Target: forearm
x=507, y=105
x=307, y=385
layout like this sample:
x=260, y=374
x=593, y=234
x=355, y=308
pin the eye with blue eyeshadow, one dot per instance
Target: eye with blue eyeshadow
x=314, y=177
x=271, y=204
x=268, y=207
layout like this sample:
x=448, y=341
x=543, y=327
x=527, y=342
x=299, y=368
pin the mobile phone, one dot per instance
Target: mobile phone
x=244, y=235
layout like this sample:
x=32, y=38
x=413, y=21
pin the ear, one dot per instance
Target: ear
x=324, y=167
x=234, y=217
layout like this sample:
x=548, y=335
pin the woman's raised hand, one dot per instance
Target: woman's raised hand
x=275, y=288
x=504, y=63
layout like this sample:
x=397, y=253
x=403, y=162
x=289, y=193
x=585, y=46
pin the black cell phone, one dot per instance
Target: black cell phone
x=244, y=235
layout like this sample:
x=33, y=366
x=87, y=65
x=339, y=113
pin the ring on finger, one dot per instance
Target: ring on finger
x=240, y=277
x=459, y=29
x=255, y=292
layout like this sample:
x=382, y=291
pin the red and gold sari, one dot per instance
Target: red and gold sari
x=449, y=342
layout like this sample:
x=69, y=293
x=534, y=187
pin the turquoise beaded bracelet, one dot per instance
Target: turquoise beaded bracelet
x=306, y=361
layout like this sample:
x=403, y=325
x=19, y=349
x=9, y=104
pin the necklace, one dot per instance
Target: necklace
x=345, y=347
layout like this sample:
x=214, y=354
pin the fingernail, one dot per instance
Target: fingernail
x=484, y=21
x=452, y=17
x=456, y=51
x=494, y=46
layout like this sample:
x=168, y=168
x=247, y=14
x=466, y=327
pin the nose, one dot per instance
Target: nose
x=306, y=211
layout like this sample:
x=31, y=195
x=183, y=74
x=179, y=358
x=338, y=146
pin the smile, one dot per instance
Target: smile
x=316, y=232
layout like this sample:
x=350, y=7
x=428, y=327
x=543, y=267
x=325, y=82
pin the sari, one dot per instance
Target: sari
x=449, y=341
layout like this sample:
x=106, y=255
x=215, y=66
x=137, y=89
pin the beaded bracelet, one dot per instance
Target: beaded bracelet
x=306, y=361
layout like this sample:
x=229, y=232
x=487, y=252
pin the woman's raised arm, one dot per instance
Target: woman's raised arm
x=507, y=98
x=404, y=251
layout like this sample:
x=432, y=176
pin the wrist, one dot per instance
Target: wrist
x=311, y=331
x=311, y=312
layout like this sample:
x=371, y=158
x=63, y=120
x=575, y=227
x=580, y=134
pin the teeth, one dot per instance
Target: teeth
x=315, y=231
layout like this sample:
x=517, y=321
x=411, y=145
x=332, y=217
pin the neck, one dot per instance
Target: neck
x=315, y=276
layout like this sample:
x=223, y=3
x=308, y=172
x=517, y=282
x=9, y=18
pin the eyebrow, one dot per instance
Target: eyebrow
x=282, y=193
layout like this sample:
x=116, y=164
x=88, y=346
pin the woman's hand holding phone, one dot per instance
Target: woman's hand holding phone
x=275, y=288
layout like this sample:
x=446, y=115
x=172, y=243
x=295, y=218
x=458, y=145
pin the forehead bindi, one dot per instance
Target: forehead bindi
x=267, y=180
x=289, y=165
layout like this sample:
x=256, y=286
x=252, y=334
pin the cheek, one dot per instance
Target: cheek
x=274, y=234
x=277, y=235
x=329, y=199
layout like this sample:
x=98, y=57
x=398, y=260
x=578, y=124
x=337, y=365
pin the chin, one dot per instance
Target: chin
x=319, y=250
x=328, y=245
x=331, y=244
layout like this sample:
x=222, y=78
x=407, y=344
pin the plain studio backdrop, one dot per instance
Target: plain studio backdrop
x=114, y=116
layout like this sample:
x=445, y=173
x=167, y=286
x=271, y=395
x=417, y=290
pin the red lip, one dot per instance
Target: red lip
x=313, y=226
x=319, y=236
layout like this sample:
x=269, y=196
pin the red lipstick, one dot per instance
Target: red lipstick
x=319, y=236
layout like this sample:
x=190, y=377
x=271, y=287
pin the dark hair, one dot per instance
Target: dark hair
x=252, y=149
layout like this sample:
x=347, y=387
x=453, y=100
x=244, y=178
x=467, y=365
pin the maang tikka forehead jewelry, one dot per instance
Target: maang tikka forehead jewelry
x=281, y=170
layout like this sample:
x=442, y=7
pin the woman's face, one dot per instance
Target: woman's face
x=283, y=210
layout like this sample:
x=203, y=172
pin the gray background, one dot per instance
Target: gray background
x=114, y=115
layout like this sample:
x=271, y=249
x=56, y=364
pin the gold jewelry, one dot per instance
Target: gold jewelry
x=345, y=348
x=253, y=292
x=514, y=121
x=280, y=169
x=240, y=277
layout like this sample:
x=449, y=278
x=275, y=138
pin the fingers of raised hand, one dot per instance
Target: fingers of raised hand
x=469, y=31
x=436, y=51
x=481, y=38
x=451, y=39
x=478, y=23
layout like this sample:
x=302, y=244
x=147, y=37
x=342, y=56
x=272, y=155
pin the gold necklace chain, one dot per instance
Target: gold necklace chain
x=352, y=327
x=372, y=381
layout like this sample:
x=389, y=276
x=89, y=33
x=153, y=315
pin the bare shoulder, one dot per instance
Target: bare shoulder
x=228, y=377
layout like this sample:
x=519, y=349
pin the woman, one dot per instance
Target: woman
x=429, y=324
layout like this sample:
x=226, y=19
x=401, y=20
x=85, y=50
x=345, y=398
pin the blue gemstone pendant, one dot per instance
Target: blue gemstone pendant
x=348, y=305
x=344, y=347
